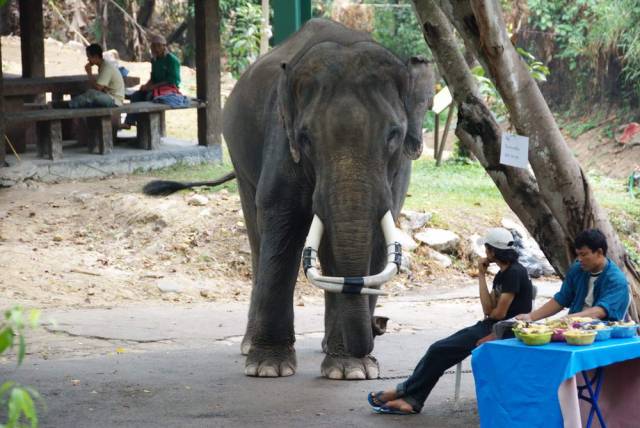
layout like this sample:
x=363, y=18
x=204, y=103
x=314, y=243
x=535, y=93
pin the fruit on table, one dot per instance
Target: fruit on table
x=538, y=338
x=580, y=337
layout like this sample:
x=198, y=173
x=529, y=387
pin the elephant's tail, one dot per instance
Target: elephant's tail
x=163, y=187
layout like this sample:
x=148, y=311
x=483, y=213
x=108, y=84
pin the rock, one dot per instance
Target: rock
x=169, y=285
x=531, y=256
x=442, y=259
x=509, y=224
x=441, y=240
x=198, y=200
x=79, y=197
x=407, y=242
x=412, y=220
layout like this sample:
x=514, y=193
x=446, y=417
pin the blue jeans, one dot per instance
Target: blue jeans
x=440, y=356
x=92, y=98
x=136, y=97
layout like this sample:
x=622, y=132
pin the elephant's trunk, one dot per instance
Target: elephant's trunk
x=351, y=243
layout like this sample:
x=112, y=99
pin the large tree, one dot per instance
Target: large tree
x=553, y=199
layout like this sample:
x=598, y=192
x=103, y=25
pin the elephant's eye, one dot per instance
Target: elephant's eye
x=393, y=138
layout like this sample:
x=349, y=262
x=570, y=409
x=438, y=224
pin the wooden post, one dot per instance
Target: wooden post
x=443, y=142
x=208, y=72
x=32, y=38
x=436, y=135
x=2, y=128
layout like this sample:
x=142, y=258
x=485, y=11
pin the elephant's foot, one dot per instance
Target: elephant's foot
x=350, y=368
x=272, y=361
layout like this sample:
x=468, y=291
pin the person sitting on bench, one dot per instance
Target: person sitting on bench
x=164, y=80
x=107, y=89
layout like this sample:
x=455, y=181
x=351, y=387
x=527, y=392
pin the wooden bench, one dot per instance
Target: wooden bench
x=100, y=131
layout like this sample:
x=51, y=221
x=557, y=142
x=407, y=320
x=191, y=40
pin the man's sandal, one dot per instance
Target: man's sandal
x=385, y=410
x=374, y=399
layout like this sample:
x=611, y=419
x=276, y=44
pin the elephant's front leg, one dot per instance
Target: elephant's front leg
x=348, y=339
x=272, y=352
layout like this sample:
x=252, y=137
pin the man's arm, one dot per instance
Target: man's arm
x=486, y=298
x=552, y=307
x=92, y=79
x=500, y=311
x=593, y=312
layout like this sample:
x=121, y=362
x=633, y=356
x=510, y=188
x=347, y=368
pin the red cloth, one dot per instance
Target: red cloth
x=630, y=131
x=165, y=90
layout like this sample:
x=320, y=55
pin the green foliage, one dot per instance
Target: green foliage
x=587, y=33
x=397, y=28
x=576, y=129
x=488, y=90
x=241, y=38
x=20, y=400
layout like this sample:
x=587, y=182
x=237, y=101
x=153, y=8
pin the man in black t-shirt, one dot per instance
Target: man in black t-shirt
x=511, y=295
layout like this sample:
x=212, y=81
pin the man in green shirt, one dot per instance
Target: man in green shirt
x=165, y=75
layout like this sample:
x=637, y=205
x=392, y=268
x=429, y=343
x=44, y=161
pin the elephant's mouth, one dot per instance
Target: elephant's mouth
x=352, y=284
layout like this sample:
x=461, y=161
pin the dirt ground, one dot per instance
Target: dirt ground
x=97, y=243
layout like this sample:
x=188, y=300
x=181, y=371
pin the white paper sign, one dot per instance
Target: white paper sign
x=442, y=100
x=514, y=150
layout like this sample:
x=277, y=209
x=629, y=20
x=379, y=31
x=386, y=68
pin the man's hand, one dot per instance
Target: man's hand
x=524, y=317
x=87, y=68
x=483, y=264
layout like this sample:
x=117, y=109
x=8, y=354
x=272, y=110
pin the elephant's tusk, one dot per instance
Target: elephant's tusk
x=358, y=284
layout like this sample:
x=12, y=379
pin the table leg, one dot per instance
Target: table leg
x=49, y=139
x=100, y=135
x=593, y=396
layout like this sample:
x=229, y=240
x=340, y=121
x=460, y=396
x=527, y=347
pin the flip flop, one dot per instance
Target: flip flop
x=374, y=399
x=384, y=410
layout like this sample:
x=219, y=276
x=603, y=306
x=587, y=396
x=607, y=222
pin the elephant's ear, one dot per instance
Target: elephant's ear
x=417, y=102
x=285, y=105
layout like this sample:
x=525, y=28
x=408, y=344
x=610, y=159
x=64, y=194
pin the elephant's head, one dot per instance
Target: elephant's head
x=353, y=118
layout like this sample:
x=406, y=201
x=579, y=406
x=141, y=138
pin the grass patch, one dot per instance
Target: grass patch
x=460, y=196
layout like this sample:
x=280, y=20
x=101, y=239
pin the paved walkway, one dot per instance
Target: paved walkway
x=180, y=366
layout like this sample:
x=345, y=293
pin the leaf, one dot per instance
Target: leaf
x=22, y=403
x=6, y=387
x=34, y=317
x=22, y=349
x=6, y=339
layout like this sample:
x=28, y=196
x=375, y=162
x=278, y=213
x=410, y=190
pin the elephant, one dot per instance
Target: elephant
x=322, y=128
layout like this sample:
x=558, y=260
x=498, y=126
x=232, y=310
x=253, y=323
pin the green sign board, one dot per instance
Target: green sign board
x=288, y=17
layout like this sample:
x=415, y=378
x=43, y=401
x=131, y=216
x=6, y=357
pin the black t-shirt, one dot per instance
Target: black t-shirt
x=514, y=280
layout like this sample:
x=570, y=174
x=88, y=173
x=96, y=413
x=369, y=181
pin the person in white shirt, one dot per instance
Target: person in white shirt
x=106, y=89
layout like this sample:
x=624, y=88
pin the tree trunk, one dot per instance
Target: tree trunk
x=557, y=202
x=145, y=13
x=264, y=28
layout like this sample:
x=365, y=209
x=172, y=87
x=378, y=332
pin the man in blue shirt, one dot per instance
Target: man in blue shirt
x=594, y=286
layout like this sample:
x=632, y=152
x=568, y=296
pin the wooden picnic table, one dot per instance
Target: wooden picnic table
x=19, y=91
x=62, y=85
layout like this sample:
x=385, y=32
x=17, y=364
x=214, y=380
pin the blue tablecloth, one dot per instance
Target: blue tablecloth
x=517, y=385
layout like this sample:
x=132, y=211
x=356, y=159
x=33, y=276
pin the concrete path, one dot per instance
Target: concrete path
x=180, y=366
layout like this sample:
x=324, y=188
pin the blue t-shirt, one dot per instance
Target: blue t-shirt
x=610, y=291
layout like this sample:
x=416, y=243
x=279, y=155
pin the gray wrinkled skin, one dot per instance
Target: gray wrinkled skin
x=327, y=123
